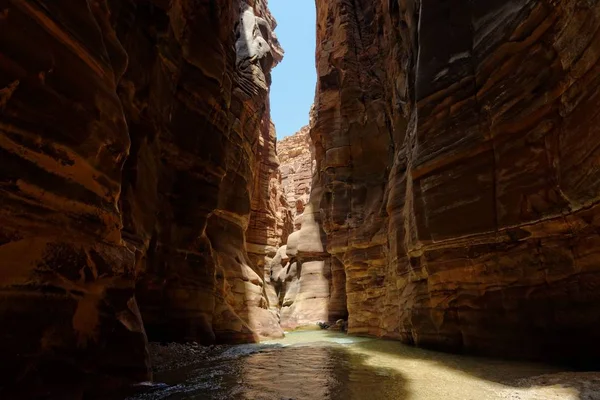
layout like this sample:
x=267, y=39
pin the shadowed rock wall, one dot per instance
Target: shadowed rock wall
x=197, y=280
x=136, y=149
x=457, y=152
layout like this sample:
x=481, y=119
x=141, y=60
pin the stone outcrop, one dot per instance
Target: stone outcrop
x=296, y=168
x=457, y=151
x=137, y=162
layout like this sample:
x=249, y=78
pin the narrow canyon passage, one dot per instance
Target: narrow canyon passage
x=445, y=195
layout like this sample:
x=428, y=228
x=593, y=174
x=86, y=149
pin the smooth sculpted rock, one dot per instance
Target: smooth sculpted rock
x=205, y=155
x=309, y=282
x=457, y=149
x=137, y=153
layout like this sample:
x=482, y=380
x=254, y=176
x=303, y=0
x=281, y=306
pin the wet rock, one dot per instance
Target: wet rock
x=176, y=355
x=323, y=325
x=340, y=325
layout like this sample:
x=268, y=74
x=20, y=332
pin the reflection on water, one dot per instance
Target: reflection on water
x=326, y=365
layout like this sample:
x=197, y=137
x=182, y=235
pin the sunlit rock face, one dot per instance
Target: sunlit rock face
x=457, y=150
x=308, y=281
x=202, y=170
x=210, y=135
x=136, y=149
x=295, y=156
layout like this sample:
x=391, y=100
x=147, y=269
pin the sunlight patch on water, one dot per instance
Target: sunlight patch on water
x=316, y=336
x=330, y=365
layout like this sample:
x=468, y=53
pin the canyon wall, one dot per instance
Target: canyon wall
x=309, y=283
x=271, y=220
x=457, y=148
x=137, y=162
x=296, y=161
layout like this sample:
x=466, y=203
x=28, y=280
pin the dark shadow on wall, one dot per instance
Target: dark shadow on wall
x=164, y=200
x=338, y=308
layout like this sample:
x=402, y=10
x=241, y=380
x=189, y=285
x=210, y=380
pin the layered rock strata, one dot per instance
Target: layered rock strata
x=271, y=220
x=296, y=168
x=137, y=153
x=457, y=151
x=310, y=284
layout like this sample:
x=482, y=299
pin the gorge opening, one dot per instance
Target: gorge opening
x=451, y=199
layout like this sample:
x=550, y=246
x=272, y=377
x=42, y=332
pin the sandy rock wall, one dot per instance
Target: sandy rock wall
x=309, y=285
x=457, y=147
x=271, y=220
x=137, y=149
x=67, y=278
x=202, y=141
x=296, y=166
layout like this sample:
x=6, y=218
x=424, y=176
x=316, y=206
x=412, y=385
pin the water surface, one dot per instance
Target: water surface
x=329, y=365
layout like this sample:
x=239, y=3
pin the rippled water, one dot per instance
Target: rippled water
x=327, y=365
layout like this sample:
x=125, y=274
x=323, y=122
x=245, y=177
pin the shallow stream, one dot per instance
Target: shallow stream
x=329, y=365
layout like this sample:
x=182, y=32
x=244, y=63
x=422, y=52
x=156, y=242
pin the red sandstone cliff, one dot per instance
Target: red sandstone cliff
x=137, y=160
x=457, y=150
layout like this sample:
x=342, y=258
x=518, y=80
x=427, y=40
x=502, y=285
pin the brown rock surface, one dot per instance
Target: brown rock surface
x=457, y=152
x=271, y=219
x=296, y=170
x=137, y=150
x=309, y=282
x=66, y=276
x=206, y=159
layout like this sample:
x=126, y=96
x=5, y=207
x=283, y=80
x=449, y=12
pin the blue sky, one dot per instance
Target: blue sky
x=294, y=79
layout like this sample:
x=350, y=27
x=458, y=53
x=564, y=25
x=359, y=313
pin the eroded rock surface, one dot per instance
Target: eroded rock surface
x=271, y=220
x=310, y=283
x=296, y=168
x=457, y=150
x=137, y=150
